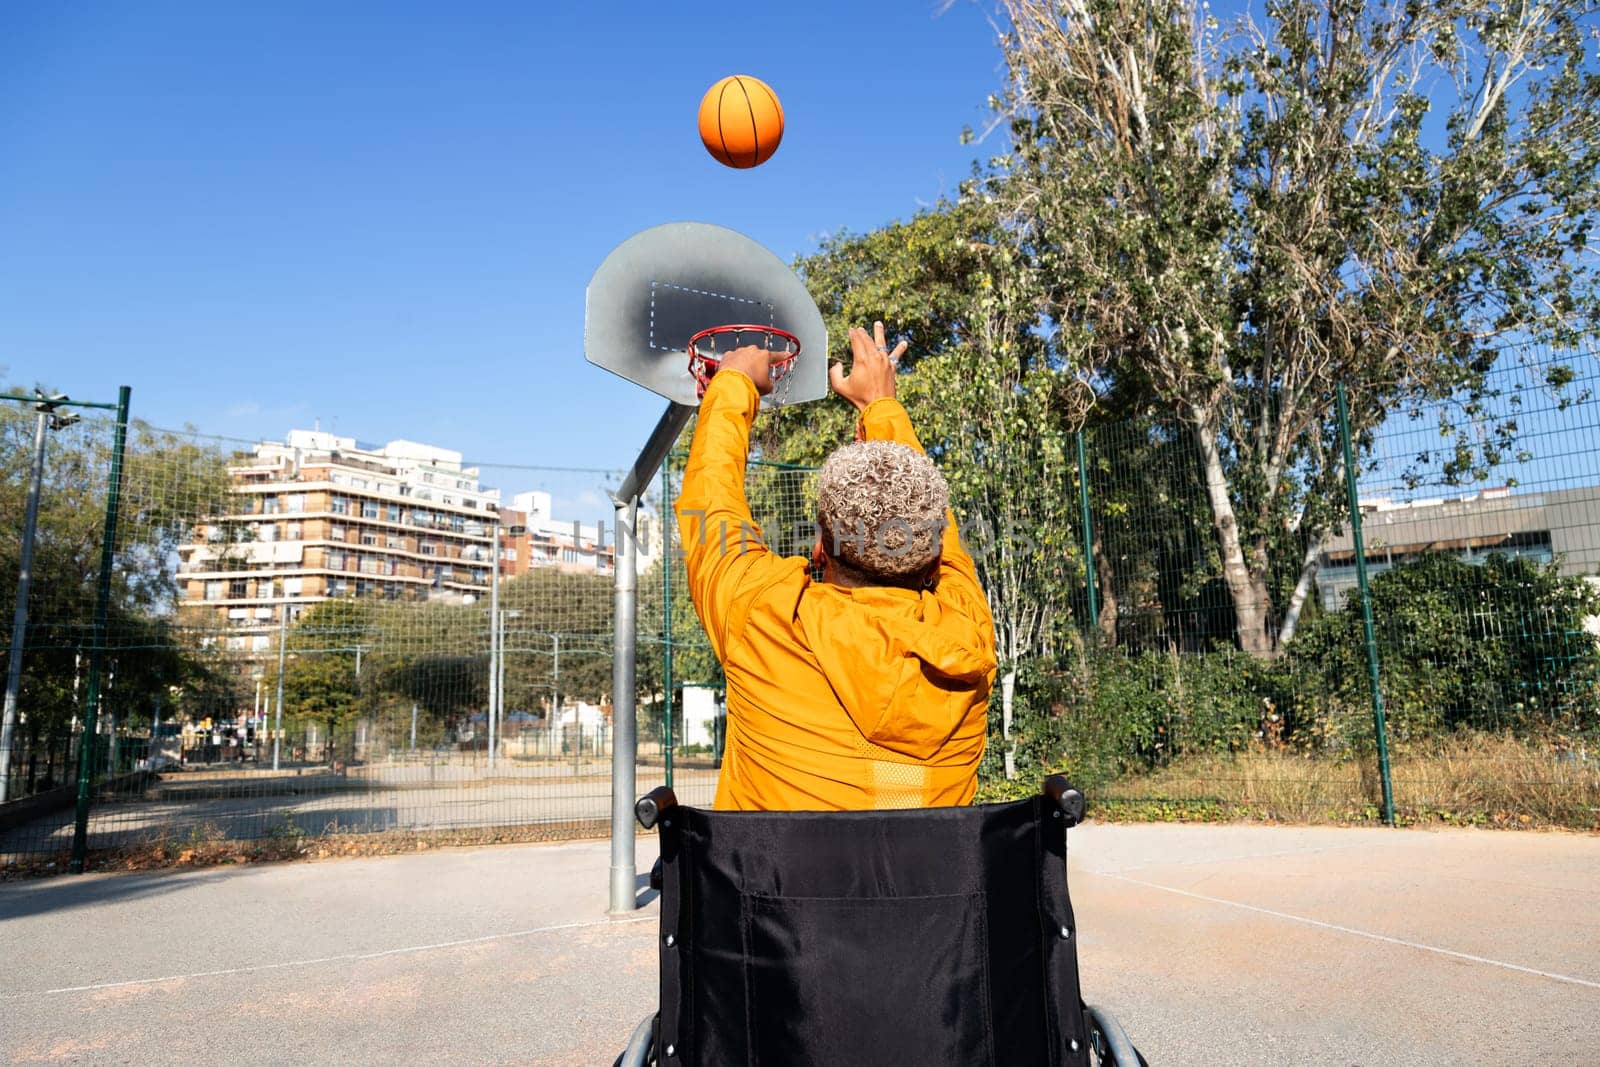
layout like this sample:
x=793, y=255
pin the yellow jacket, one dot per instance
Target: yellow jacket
x=837, y=698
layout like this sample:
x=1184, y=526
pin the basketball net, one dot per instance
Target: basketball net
x=707, y=348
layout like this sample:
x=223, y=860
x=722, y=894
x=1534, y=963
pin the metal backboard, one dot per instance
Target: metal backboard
x=663, y=285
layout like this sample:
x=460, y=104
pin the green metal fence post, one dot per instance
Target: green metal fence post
x=1380, y=729
x=97, y=651
x=666, y=616
x=1088, y=535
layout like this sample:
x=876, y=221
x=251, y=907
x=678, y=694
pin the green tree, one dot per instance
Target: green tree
x=170, y=480
x=1156, y=557
x=445, y=687
x=557, y=614
x=322, y=680
x=431, y=654
x=1383, y=195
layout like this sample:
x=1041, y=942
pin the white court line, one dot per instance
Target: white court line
x=1369, y=935
x=346, y=957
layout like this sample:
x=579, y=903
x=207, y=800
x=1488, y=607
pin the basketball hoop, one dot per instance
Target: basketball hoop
x=705, y=358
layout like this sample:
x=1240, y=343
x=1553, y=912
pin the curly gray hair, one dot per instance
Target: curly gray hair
x=881, y=506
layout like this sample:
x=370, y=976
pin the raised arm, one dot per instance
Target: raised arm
x=724, y=553
x=870, y=387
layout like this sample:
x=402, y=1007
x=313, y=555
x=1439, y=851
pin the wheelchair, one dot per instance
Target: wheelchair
x=926, y=936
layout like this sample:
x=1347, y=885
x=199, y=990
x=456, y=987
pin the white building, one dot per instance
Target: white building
x=318, y=517
x=571, y=544
x=698, y=716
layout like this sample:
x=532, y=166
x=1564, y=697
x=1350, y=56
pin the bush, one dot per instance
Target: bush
x=1111, y=714
x=1463, y=649
x=1501, y=645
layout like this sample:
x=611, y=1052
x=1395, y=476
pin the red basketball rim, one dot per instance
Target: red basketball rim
x=702, y=365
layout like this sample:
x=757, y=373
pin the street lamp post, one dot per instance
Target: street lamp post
x=500, y=671
x=494, y=636
x=500, y=679
x=48, y=418
x=277, y=715
x=497, y=640
x=555, y=685
x=258, y=715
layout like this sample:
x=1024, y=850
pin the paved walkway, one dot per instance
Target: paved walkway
x=1233, y=944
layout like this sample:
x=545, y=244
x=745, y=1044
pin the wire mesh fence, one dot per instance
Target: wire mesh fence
x=682, y=714
x=1481, y=517
x=303, y=638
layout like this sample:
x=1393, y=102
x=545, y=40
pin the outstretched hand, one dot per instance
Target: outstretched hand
x=872, y=368
x=755, y=363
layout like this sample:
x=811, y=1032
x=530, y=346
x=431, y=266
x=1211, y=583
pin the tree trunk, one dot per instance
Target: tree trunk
x=1108, y=596
x=1302, y=589
x=1251, y=601
x=1008, y=685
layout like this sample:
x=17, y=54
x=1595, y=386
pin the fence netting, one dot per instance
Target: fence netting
x=304, y=639
x=1481, y=521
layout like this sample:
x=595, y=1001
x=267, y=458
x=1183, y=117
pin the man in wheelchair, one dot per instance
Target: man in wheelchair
x=801, y=921
x=869, y=688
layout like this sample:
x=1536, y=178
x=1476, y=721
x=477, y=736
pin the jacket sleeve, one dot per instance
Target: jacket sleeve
x=727, y=560
x=887, y=420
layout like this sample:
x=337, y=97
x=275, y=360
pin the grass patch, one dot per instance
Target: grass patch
x=1472, y=780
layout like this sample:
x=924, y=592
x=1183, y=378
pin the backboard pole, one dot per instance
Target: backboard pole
x=624, y=700
x=624, y=719
x=654, y=453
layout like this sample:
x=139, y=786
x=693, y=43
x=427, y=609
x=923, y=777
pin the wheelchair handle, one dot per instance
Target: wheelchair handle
x=650, y=807
x=1066, y=797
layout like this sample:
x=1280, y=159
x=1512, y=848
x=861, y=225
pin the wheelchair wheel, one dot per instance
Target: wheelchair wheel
x=1108, y=1041
x=641, y=1050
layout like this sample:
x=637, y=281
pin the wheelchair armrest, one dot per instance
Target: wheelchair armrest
x=1066, y=797
x=648, y=808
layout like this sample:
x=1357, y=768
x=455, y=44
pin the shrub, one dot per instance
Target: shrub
x=1110, y=714
x=1501, y=645
x=1462, y=649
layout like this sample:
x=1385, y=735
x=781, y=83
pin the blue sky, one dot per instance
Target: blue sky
x=383, y=216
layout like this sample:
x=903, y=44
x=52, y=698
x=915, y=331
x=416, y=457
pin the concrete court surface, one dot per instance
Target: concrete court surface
x=1214, y=944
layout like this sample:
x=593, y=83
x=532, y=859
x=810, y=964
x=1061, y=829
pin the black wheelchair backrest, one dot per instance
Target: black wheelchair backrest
x=933, y=936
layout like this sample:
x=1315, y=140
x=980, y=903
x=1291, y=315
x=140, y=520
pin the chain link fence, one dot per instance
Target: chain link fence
x=302, y=640
x=1475, y=694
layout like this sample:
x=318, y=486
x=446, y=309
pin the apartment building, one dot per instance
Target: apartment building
x=572, y=546
x=320, y=517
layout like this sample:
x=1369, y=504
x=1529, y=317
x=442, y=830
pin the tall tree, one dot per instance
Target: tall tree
x=434, y=655
x=553, y=614
x=1383, y=195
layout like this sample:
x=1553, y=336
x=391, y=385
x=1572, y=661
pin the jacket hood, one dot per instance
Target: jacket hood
x=906, y=668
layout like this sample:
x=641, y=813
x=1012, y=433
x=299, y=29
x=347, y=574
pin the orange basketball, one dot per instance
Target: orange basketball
x=741, y=121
